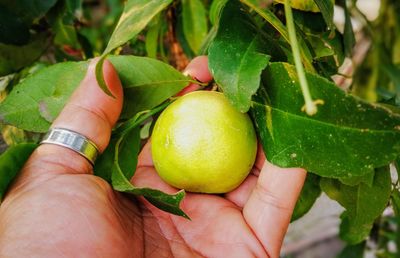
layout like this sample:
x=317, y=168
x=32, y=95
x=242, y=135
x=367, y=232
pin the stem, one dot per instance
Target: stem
x=138, y=119
x=310, y=106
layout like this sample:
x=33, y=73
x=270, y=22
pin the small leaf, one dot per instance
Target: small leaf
x=347, y=137
x=120, y=180
x=128, y=152
x=236, y=56
x=11, y=162
x=304, y=5
x=309, y=194
x=136, y=15
x=194, y=23
x=100, y=77
x=353, y=251
x=326, y=8
x=259, y=7
x=363, y=204
x=215, y=10
x=152, y=36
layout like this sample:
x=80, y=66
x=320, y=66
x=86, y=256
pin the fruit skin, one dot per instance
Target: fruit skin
x=200, y=143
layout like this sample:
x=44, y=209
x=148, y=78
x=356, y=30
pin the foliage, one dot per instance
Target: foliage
x=255, y=51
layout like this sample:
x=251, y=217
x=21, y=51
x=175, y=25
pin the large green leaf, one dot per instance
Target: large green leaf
x=147, y=82
x=347, y=137
x=136, y=15
x=363, y=204
x=11, y=162
x=194, y=23
x=33, y=104
x=236, y=56
x=36, y=102
x=309, y=194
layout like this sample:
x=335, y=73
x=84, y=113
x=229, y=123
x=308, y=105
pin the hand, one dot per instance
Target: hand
x=57, y=207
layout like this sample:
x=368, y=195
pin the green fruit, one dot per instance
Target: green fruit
x=201, y=143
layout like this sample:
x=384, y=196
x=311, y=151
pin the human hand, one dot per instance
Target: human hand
x=57, y=207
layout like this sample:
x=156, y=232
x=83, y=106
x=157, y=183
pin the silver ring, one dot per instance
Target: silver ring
x=72, y=140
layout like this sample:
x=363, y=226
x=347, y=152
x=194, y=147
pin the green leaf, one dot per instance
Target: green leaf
x=34, y=103
x=11, y=162
x=194, y=23
x=363, y=204
x=136, y=15
x=353, y=251
x=118, y=162
x=326, y=8
x=14, y=58
x=274, y=21
x=12, y=29
x=236, y=56
x=215, y=10
x=128, y=149
x=347, y=137
x=309, y=194
x=152, y=36
x=121, y=174
x=29, y=10
x=147, y=82
x=65, y=34
x=304, y=5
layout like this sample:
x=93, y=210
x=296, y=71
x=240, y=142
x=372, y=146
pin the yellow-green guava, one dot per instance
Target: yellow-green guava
x=201, y=143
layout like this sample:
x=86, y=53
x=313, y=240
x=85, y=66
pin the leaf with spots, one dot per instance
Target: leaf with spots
x=346, y=138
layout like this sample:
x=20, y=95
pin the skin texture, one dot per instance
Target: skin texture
x=201, y=143
x=57, y=208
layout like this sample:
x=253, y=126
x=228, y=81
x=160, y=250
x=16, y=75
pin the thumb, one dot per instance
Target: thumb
x=89, y=112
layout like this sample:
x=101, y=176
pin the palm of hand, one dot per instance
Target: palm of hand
x=102, y=222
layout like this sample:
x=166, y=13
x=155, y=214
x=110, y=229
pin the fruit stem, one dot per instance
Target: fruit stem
x=310, y=106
